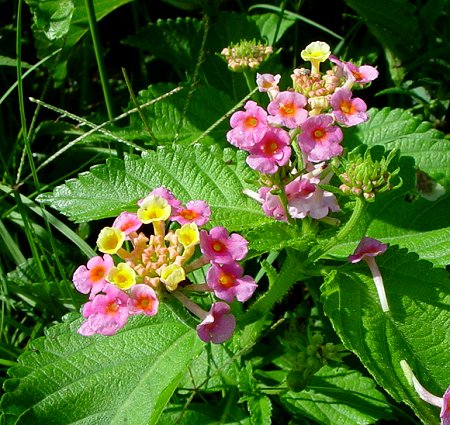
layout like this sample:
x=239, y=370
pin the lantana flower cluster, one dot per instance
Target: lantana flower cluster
x=148, y=254
x=292, y=141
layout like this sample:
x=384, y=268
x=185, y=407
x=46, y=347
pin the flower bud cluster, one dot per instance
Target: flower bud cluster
x=365, y=177
x=138, y=269
x=247, y=54
x=290, y=141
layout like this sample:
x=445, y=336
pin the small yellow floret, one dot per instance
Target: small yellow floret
x=110, y=240
x=317, y=51
x=172, y=275
x=154, y=208
x=188, y=235
x=123, y=276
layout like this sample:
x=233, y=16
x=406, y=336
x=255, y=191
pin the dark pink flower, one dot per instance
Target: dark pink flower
x=346, y=110
x=219, y=324
x=368, y=247
x=228, y=282
x=142, y=299
x=320, y=139
x=288, y=109
x=247, y=126
x=220, y=247
x=106, y=313
x=270, y=152
x=197, y=212
x=445, y=410
x=91, y=278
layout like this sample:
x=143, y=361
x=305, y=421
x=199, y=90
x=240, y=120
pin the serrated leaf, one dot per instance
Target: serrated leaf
x=126, y=378
x=61, y=25
x=419, y=225
x=192, y=173
x=260, y=408
x=397, y=128
x=339, y=396
x=415, y=329
x=183, y=117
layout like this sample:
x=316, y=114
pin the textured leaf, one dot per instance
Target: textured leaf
x=397, y=31
x=126, y=378
x=61, y=24
x=190, y=172
x=339, y=396
x=184, y=117
x=260, y=408
x=415, y=329
x=400, y=129
x=419, y=225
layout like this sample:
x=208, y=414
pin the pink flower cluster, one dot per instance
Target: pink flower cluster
x=124, y=282
x=311, y=116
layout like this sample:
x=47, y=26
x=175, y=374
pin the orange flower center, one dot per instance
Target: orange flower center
x=144, y=303
x=288, y=109
x=217, y=246
x=226, y=280
x=318, y=134
x=270, y=147
x=347, y=108
x=189, y=214
x=112, y=308
x=97, y=273
x=251, y=121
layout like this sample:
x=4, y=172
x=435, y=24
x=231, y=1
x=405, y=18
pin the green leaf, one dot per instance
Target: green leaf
x=397, y=31
x=339, y=396
x=397, y=128
x=61, y=24
x=126, y=378
x=191, y=173
x=415, y=329
x=419, y=225
x=260, y=408
x=272, y=26
x=182, y=117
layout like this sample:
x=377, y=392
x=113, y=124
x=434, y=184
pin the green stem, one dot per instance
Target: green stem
x=250, y=79
x=358, y=211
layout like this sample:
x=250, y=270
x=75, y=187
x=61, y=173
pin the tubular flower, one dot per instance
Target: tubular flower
x=442, y=402
x=153, y=265
x=366, y=250
x=288, y=109
x=346, y=110
x=316, y=52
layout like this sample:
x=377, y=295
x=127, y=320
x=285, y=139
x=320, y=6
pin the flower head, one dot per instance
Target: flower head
x=316, y=52
x=367, y=247
x=288, y=109
x=220, y=247
x=188, y=235
x=346, y=110
x=218, y=325
x=247, y=125
x=228, y=282
x=271, y=151
x=197, y=212
x=154, y=208
x=122, y=275
x=110, y=240
x=320, y=139
x=106, y=313
x=142, y=299
x=127, y=222
x=92, y=277
x=246, y=54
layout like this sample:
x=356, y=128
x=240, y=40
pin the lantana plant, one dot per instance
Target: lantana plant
x=148, y=256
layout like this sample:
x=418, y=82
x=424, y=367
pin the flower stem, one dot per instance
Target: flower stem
x=378, y=280
x=358, y=211
x=190, y=305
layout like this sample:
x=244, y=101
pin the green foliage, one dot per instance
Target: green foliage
x=337, y=396
x=414, y=330
x=125, y=378
x=194, y=173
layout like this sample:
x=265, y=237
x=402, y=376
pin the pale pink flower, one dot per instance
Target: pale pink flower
x=320, y=139
x=268, y=83
x=247, y=125
x=288, y=109
x=220, y=247
x=354, y=74
x=142, y=299
x=91, y=278
x=127, y=222
x=271, y=151
x=346, y=110
x=218, y=326
x=271, y=204
x=197, y=212
x=106, y=313
x=228, y=282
